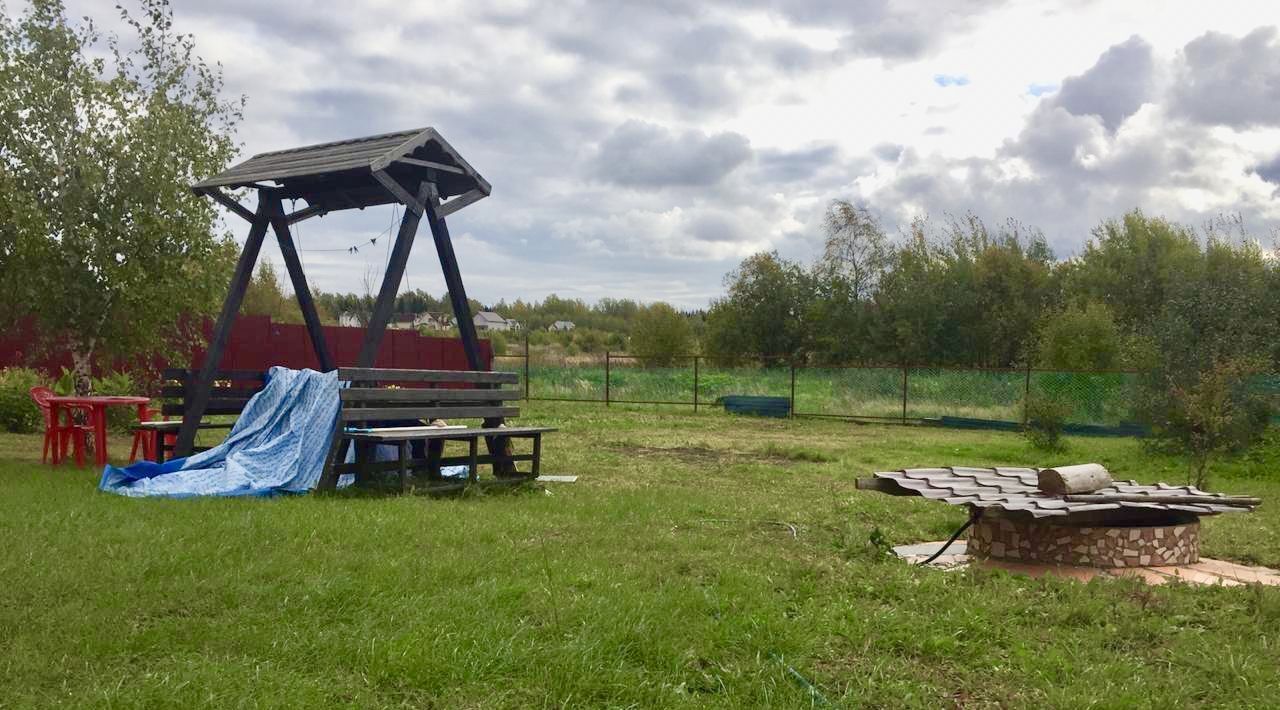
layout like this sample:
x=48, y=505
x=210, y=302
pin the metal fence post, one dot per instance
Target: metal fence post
x=904, y=394
x=695, y=384
x=1026, y=397
x=792, y=409
x=606, y=378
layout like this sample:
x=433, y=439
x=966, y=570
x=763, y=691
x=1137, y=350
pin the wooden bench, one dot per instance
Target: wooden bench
x=396, y=407
x=231, y=392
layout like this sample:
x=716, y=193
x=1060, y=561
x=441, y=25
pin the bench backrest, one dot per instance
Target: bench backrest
x=231, y=390
x=380, y=395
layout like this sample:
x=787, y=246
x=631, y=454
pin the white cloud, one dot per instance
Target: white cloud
x=641, y=149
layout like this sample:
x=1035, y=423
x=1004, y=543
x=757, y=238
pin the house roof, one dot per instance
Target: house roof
x=1015, y=490
x=563, y=322
x=490, y=317
x=341, y=174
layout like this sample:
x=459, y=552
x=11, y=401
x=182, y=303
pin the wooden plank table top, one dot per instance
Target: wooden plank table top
x=430, y=432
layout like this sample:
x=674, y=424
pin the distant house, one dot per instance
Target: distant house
x=435, y=321
x=347, y=319
x=403, y=321
x=488, y=320
x=562, y=325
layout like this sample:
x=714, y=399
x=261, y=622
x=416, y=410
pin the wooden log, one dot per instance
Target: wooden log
x=1082, y=478
x=1234, y=501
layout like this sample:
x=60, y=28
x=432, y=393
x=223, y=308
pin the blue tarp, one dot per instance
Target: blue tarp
x=278, y=445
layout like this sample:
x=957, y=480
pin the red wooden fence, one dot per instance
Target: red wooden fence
x=257, y=343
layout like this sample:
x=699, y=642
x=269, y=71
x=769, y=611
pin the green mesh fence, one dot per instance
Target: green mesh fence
x=1099, y=399
x=994, y=395
x=645, y=381
x=718, y=379
x=871, y=392
x=568, y=378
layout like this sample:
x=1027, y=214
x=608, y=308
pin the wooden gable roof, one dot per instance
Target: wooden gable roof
x=351, y=173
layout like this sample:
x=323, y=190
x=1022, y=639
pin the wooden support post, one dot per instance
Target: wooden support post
x=453, y=280
x=473, y=461
x=280, y=223
x=526, y=364
x=435, y=450
x=337, y=455
x=390, y=284
x=430, y=197
x=606, y=378
x=221, y=331
x=402, y=458
x=536, y=469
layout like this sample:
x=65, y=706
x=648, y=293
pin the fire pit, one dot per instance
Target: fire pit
x=1079, y=518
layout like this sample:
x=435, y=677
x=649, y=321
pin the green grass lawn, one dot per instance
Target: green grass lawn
x=661, y=579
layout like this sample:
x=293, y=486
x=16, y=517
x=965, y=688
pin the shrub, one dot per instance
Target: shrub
x=1210, y=413
x=498, y=342
x=661, y=335
x=1046, y=417
x=18, y=413
x=1080, y=338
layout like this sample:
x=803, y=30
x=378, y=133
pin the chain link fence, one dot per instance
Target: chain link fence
x=1100, y=401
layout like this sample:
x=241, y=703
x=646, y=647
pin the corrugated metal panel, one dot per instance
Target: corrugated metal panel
x=1015, y=489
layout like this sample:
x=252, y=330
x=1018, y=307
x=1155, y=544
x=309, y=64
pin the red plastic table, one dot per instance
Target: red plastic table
x=97, y=407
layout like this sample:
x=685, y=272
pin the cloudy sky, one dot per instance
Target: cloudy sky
x=641, y=149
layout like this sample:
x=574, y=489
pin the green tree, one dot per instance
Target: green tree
x=265, y=297
x=1080, y=337
x=1215, y=332
x=765, y=313
x=1134, y=265
x=1211, y=412
x=856, y=252
x=105, y=247
x=661, y=335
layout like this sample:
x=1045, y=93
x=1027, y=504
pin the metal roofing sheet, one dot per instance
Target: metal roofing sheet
x=1015, y=489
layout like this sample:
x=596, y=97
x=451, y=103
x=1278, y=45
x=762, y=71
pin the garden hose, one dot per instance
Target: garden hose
x=974, y=513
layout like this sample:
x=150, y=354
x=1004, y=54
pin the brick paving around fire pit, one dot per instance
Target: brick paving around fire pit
x=1000, y=538
x=1206, y=571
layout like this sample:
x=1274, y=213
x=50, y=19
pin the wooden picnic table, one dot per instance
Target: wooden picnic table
x=97, y=407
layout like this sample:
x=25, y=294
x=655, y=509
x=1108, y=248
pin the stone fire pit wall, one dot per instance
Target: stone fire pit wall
x=1033, y=540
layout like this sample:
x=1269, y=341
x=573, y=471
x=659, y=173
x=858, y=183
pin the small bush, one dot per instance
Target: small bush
x=1046, y=417
x=498, y=342
x=18, y=412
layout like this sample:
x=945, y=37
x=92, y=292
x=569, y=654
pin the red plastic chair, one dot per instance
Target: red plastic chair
x=58, y=434
x=148, y=440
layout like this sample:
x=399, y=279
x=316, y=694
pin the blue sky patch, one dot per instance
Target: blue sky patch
x=950, y=79
x=1041, y=89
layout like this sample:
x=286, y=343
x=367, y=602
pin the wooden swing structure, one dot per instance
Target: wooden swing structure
x=417, y=169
